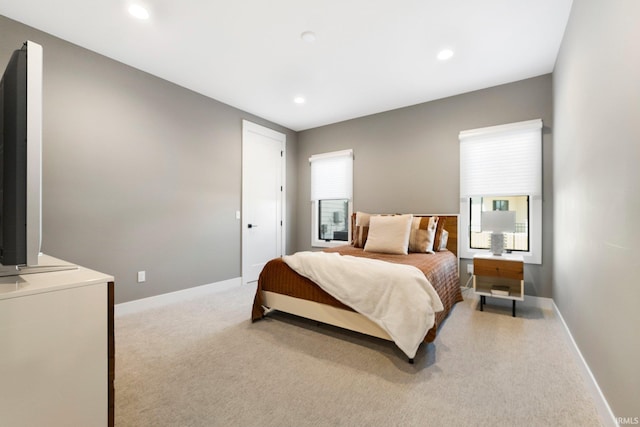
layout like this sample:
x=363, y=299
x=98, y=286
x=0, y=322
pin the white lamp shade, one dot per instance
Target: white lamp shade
x=499, y=221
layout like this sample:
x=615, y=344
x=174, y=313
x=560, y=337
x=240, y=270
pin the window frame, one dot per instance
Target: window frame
x=533, y=256
x=494, y=205
x=316, y=242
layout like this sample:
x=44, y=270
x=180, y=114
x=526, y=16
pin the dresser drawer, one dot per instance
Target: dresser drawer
x=503, y=268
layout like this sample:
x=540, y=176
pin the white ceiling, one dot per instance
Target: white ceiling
x=369, y=55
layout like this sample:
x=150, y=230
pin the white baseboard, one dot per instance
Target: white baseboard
x=607, y=417
x=171, y=297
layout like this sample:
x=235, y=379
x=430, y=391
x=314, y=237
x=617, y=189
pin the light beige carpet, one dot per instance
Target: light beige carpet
x=202, y=362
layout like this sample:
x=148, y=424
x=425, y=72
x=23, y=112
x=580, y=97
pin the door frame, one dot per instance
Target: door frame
x=247, y=127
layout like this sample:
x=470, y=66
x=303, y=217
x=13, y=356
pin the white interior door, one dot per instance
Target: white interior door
x=263, y=172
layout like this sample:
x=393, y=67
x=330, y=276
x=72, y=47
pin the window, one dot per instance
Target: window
x=331, y=194
x=500, y=205
x=333, y=218
x=501, y=170
x=516, y=241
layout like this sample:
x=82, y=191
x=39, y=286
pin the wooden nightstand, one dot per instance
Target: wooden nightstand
x=499, y=277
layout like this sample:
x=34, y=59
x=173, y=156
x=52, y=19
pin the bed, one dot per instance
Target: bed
x=283, y=289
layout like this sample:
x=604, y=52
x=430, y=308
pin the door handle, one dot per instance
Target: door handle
x=251, y=225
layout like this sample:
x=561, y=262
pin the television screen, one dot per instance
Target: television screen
x=20, y=157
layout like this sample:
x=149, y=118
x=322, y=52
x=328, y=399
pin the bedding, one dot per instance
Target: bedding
x=398, y=297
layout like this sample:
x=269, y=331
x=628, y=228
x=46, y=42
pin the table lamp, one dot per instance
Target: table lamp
x=498, y=223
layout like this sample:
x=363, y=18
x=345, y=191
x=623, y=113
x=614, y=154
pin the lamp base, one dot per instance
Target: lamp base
x=497, y=243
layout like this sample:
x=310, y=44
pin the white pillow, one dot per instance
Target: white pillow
x=389, y=234
x=444, y=240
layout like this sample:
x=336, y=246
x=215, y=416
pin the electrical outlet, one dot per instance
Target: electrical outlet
x=469, y=268
x=142, y=276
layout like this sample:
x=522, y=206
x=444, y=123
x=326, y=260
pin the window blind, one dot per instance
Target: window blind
x=332, y=175
x=502, y=160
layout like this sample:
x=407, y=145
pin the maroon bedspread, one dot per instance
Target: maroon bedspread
x=440, y=268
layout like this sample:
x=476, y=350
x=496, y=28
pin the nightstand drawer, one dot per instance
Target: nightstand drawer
x=498, y=268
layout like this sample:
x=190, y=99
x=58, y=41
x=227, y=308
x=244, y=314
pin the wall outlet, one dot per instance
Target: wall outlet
x=469, y=268
x=142, y=276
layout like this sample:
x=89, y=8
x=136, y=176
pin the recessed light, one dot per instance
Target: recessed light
x=445, y=54
x=299, y=100
x=138, y=11
x=308, y=36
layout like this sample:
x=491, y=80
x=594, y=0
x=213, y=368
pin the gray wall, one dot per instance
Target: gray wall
x=407, y=160
x=138, y=173
x=597, y=202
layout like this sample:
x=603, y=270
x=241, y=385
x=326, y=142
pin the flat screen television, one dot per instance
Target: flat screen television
x=21, y=158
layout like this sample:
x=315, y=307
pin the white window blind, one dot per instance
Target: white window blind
x=332, y=175
x=502, y=160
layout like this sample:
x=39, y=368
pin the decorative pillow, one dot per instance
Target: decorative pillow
x=389, y=234
x=361, y=229
x=423, y=233
x=438, y=238
x=444, y=240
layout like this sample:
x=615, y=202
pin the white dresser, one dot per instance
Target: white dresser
x=57, y=354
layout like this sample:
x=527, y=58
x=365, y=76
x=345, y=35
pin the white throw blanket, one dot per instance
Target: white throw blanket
x=397, y=297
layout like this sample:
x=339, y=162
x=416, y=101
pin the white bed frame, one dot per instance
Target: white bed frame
x=323, y=313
